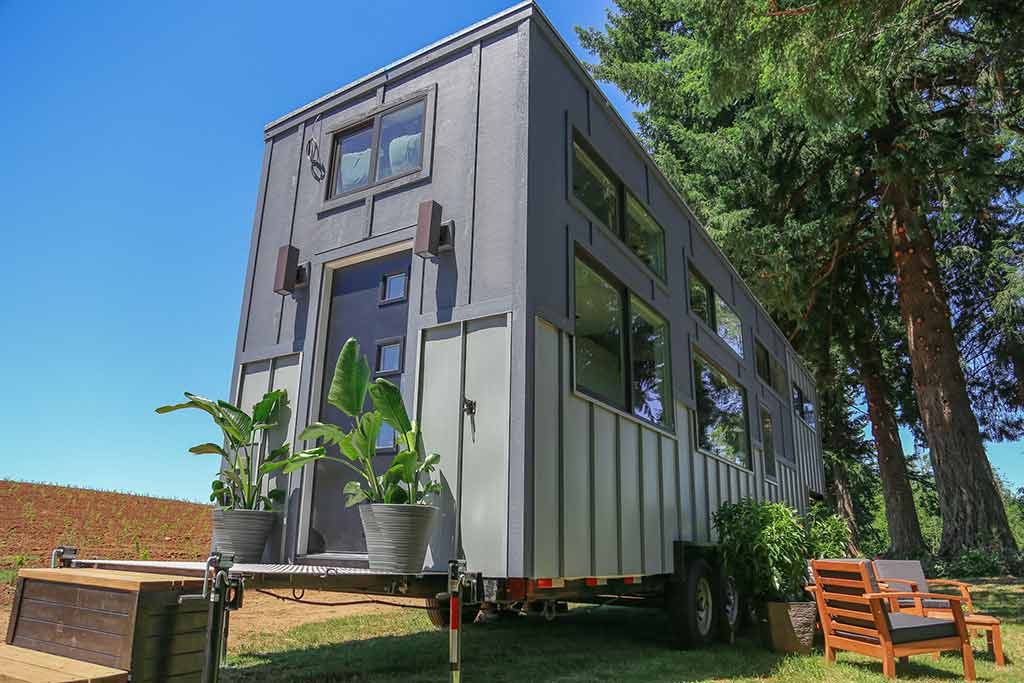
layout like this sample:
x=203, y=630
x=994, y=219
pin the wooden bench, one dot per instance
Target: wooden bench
x=124, y=622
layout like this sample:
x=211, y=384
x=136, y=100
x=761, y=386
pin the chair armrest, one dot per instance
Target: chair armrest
x=964, y=588
x=884, y=585
x=811, y=588
x=885, y=595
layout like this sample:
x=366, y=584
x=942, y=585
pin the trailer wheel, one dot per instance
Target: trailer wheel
x=437, y=612
x=691, y=606
x=730, y=608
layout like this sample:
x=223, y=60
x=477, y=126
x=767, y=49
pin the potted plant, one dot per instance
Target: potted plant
x=244, y=514
x=397, y=517
x=765, y=547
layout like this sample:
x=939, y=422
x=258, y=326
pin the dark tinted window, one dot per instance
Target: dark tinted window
x=644, y=236
x=763, y=362
x=721, y=414
x=768, y=441
x=701, y=298
x=600, y=348
x=595, y=187
x=649, y=357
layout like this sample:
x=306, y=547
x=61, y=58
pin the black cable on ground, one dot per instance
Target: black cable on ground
x=367, y=601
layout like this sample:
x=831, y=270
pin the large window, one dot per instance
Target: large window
x=769, y=370
x=804, y=407
x=607, y=199
x=358, y=161
x=622, y=351
x=768, y=441
x=650, y=354
x=644, y=236
x=721, y=414
x=600, y=342
x=706, y=304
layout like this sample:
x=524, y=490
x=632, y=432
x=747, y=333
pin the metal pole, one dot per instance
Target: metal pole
x=215, y=628
x=455, y=620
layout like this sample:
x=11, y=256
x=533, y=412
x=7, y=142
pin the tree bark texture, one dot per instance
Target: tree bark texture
x=969, y=501
x=844, y=505
x=904, y=527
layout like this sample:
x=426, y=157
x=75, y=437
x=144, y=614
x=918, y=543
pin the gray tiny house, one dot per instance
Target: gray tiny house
x=595, y=375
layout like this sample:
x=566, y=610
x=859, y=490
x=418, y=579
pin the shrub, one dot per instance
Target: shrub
x=827, y=533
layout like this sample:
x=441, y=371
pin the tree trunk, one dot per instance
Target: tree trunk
x=969, y=501
x=904, y=527
x=844, y=505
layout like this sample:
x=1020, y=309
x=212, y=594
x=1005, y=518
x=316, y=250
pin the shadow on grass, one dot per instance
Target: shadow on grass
x=585, y=644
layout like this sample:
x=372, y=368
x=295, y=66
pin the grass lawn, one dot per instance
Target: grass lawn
x=607, y=643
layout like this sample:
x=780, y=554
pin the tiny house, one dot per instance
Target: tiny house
x=595, y=375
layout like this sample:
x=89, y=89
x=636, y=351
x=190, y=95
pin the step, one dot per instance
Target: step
x=121, y=620
x=19, y=665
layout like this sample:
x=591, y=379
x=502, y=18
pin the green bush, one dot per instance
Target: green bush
x=765, y=546
x=986, y=560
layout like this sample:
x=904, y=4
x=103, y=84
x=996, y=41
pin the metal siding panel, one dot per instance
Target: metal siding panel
x=439, y=410
x=669, y=501
x=545, y=451
x=484, y=505
x=629, y=482
x=714, y=495
x=650, y=461
x=606, y=506
x=685, y=490
x=701, y=497
x=576, y=488
x=255, y=383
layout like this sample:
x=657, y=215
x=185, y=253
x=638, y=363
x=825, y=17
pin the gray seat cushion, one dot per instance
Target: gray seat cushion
x=910, y=628
x=907, y=570
x=927, y=603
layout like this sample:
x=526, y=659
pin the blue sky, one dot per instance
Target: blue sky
x=132, y=139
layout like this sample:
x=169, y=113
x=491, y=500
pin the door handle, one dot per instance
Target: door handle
x=468, y=406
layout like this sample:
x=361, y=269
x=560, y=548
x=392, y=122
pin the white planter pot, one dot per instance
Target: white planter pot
x=397, y=536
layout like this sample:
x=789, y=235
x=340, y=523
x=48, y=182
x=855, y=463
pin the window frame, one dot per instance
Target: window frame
x=625, y=293
x=330, y=201
x=692, y=273
x=621, y=189
x=706, y=358
x=772, y=364
x=379, y=344
x=382, y=299
x=798, y=406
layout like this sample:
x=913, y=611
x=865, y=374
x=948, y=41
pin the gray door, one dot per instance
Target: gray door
x=369, y=301
x=464, y=412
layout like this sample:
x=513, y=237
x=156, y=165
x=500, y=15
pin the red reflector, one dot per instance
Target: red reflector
x=629, y=579
x=591, y=582
x=453, y=613
x=543, y=583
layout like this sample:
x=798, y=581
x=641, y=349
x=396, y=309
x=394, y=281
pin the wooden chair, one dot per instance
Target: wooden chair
x=856, y=616
x=908, y=575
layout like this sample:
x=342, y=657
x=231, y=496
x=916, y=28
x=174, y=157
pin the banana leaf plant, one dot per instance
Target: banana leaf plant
x=239, y=485
x=407, y=478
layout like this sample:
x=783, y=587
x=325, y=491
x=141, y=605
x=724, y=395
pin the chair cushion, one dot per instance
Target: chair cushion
x=927, y=603
x=910, y=628
x=908, y=570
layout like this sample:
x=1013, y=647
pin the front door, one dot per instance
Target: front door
x=369, y=301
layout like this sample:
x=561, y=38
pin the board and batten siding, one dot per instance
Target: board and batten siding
x=610, y=493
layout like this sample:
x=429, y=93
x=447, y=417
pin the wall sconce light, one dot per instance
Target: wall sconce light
x=432, y=236
x=289, y=275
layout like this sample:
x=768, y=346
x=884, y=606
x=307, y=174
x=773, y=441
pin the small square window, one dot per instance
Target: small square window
x=389, y=358
x=386, y=438
x=394, y=287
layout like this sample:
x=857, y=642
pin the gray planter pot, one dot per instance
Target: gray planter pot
x=790, y=626
x=397, y=536
x=242, y=532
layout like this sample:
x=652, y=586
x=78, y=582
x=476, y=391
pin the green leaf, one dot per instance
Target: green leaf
x=279, y=452
x=266, y=409
x=208, y=449
x=319, y=430
x=387, y=399
x=351, y=380
x=354, y=494
x=236, y=422
x=276, y=495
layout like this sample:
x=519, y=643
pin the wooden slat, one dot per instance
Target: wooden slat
x=118, y=602
x=843, y=597
x=18, y=664
x=67, y=615
x=844, y=583
x=853, y=628
x=116, y=580
x=850, y=614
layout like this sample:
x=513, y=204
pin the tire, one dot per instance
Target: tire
x=437, y=612
x=729, y=605
x=691, y=606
